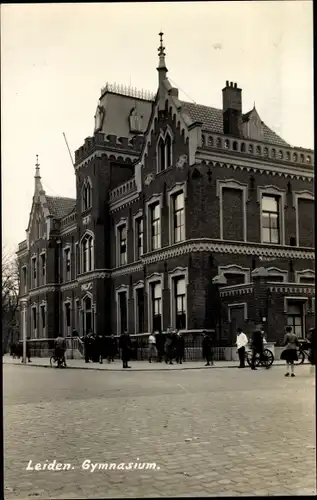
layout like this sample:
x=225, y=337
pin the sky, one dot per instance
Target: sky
x=55, y=58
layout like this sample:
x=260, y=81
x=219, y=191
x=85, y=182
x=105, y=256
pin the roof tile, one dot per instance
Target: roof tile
x=60, y=207
x=211, y=119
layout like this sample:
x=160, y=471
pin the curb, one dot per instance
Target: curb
x=133, y=369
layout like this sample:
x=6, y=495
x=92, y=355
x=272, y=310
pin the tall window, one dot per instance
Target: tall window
x=164, y=149
x=156, y=298
x=86, y=195
x=270, y=219
x=43, y=319
x=77, y=321
x=87, y=247
x=178, y=218
x=43, y=268
x=122, y=237
x=87, y=316
x=67, y=319
x=67, y=264
x=77, y=271
x=34, y=273
x=140, y=310
x=138, y=238
x=123, y=312
x=155, y=219
x=34, y=322
x=24, y=280
x=180, y=303
x=295, y=318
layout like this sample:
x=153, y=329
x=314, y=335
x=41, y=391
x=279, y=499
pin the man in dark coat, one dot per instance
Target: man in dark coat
x=180, y=348
x=87, y=346
x=256, y=346
x=125, y=346
x=168, y=347
x=160, y=341
x=206, y=344
x=111, y=348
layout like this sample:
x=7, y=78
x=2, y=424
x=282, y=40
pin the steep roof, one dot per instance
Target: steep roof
x=211, y=119
x=60, y=207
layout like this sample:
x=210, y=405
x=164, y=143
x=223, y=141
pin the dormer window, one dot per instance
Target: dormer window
x=164, y=152
x=86, y=195
x=135, y=121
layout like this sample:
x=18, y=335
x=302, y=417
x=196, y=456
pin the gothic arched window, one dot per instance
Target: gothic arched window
x=86, y=195
x=164, y=152
x=87, y=253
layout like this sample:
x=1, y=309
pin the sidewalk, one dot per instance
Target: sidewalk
x=79, y=364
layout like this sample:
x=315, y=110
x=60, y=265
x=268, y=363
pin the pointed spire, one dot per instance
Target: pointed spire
x=253, y=104
x=37, y=177
x=37, y=168
x=162, y=69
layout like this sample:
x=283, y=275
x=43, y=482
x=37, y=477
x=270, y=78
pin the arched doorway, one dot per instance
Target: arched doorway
x=87, y=315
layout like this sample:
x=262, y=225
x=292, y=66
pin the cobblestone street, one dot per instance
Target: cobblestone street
x=210, y=432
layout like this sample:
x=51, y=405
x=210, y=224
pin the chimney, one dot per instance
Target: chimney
x=232, y=109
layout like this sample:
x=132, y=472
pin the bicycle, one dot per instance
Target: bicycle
x=267, y=360
x=303, y=353
x=59, y=360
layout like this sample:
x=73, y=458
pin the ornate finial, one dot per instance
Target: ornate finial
x=37, y=167
x=253, y=104
x=162, y=65
x=161, y=49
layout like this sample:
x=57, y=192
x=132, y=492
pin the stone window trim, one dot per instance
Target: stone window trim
x=178, y=272
x=66, y=301
x=238, y=304
x=34, y=282
x=87, y=184
x=300, y=195
x=163, y=135
x=34, y=307
x=43, y=304
x=303, y=301
x=93, y=310
x=232, y=184
x=234, y=269
x=138, y=215
x=120, y=289
x=306, y=273
x=122, y=222
x=137, y=286
x=86, y=234
x=293, y=299
x=43, y=277
x=278, y=192
x=179, y=187
x=24, y=276
x=275, y=271
x=154, y=278
x=64, y=270
x=155, y=198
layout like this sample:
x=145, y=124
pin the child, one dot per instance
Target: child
x=290, y=353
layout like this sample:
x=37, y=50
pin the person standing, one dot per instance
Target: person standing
x=125, y=346
x=206, y=344
x=180, y=347
x=160, y=346
x=60, y=348
x=289, y=354
x=256, y=346
x=168, y=347
x=152, y=346
x=87, y=347
x=242, y=341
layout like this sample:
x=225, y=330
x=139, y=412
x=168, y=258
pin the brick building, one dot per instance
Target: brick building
x=185, y=216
